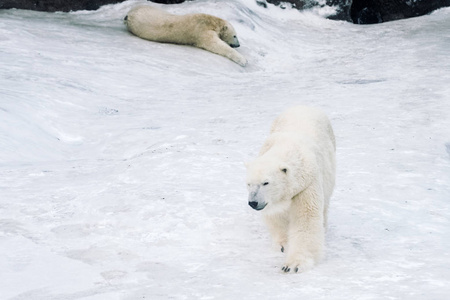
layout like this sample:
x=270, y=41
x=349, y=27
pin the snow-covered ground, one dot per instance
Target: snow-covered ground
x=121, y=160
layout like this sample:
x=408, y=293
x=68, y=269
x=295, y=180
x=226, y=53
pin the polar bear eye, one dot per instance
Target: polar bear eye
x=265, y=183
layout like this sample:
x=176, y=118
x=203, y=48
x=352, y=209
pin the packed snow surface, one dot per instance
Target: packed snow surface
x=122, y=160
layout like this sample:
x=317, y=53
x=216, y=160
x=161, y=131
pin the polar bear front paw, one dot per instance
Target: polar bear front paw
x=298, y=265
x=238, y=58
x=242, y=61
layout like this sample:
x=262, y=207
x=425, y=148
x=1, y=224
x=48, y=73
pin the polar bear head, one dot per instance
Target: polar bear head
x=277, y=176
x=267, y=183
x=228, y=35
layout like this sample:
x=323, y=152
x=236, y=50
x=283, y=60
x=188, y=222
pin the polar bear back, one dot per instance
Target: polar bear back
x=158, y=25
x=305, y=120
x=312, y=123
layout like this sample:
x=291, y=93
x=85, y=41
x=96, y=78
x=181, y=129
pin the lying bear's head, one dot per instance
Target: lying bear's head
x=228, y=35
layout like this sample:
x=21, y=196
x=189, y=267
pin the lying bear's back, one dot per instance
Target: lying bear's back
x=153, y=24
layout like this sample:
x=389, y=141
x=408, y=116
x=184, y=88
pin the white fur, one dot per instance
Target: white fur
x=292, y=180
x=200, y=30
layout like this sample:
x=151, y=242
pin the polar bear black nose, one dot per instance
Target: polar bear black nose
x=253, y=204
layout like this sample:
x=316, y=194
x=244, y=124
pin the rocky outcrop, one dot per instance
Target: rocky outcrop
x=56, y=5
x=377, y=11
x=66, y=5
x=369, y=11
x=356, y=11
x=168, y=1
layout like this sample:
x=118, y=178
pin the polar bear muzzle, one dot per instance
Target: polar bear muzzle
x=255, y=199
x=256, y=206
x=235, y=43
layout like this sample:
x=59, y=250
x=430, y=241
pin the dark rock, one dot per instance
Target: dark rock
x=356, y=11
x=367, y=11
x=298, y=4
x=367, y=16
x=168, y=1
x=56, y=5
x=262, y=3
x=66, y=5
x=371, y=11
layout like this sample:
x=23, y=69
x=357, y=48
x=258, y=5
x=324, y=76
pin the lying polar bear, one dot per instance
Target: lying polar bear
x=292, y=180
x=200, y=30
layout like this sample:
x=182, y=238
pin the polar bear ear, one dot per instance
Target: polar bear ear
x=284, y=170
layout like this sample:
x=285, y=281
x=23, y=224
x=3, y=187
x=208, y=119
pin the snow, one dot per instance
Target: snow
x=121, y=160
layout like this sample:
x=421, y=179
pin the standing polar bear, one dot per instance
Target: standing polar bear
x=292, y=179
x=200, y=30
